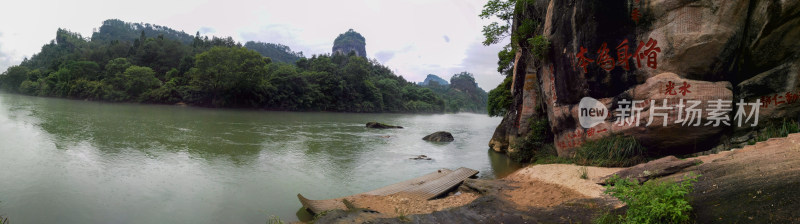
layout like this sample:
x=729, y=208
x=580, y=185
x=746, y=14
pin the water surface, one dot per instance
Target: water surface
x=69, y=161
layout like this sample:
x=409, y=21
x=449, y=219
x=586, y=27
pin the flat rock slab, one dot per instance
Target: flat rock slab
x=653, y=169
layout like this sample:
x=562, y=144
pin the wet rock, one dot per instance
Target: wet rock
x=439, y=136
x=381, y=125
x=421, y=157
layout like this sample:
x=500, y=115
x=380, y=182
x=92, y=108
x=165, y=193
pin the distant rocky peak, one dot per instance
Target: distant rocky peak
x=350, y=41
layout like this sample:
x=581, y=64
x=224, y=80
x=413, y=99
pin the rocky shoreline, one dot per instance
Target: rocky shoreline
x=757, y=184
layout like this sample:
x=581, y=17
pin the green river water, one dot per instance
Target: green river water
x=69, y=161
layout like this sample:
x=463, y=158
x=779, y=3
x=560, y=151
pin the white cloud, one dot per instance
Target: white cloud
x=405, y=35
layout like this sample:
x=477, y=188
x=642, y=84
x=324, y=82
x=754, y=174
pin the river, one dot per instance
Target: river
x=70, y=161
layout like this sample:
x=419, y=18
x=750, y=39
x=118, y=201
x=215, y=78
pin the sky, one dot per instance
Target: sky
x=412, y=37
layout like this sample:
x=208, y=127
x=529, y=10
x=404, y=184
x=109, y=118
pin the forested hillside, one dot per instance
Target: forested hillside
x=461, y=95
x=161, y=66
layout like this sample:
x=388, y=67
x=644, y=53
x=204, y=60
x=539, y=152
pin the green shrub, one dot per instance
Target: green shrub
x=777, y=130
x=651, y=202
x=534, y=145
x=539, y=46
x=500, y=98
x=616, y=150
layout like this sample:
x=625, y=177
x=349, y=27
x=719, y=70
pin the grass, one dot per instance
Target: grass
x=318, y=216
x=272, y=220
x=401, y=215
x=584, y=173
x=612, y=151
x=776, y=130
x=651, y=202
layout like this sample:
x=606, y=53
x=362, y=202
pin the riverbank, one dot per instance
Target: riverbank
x=550, y=191
x=755, y=183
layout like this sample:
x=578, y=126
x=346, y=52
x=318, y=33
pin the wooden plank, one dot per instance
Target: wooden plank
x=434, y=188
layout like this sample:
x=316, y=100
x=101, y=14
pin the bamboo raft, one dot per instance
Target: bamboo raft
x=425, y=187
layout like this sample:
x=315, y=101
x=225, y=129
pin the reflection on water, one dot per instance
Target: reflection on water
x=72, y=161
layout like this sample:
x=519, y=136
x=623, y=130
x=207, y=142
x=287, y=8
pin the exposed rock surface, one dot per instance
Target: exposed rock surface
x=756, y=184
x=381, y=125
x=676, y=50
x=653, y=169
x=439, y=136
x=519, y=198
x=350, y=41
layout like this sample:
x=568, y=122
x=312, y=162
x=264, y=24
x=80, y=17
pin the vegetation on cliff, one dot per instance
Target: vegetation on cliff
x=217, y=73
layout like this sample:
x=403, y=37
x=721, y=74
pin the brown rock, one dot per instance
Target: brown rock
x=726, y=50
x=755, y=184
x=656, y=168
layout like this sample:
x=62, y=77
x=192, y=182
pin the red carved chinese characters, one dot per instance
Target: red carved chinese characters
x=622, y=55
x=603, y=60
x=583, y=61
x=635, y=15
x=778, y=99
x=650, y=52
x=684, y=89
x=670, y=90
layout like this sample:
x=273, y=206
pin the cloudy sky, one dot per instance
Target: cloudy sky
x=412, y=37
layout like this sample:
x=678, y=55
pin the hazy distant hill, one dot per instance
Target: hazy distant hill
x=277, y=52
x=433, y=78
x=114, y=29
x=461, y=95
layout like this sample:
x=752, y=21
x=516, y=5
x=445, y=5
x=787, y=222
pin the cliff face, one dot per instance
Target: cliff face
x=350, y=41
x=672, y=59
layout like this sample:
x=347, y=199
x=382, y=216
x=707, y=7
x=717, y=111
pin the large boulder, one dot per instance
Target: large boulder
x=439, y=136
x=653, y=52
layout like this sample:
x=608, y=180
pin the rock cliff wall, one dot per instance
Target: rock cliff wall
x=689, y=64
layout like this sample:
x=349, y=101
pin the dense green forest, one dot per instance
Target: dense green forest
x=462, y=94
x=161, y=65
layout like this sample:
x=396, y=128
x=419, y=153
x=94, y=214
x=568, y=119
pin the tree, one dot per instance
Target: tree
x=227, y=76
x=13, y=77
x=503, y=10
x=500, y=98
x=139, y=80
